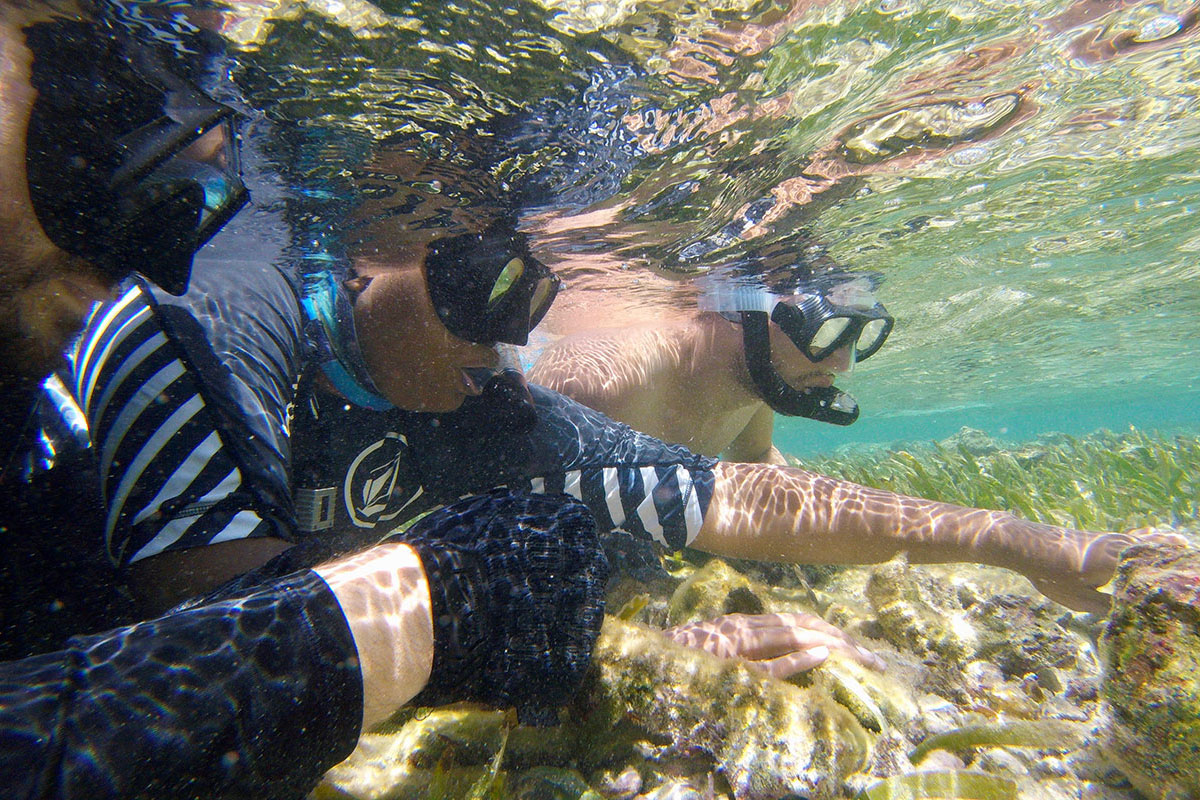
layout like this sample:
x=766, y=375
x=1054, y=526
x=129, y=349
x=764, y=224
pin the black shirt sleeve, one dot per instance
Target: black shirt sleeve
x=630, y=481
x=250, y=697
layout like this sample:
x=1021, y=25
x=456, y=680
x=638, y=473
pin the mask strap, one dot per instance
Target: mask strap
x=824, y=404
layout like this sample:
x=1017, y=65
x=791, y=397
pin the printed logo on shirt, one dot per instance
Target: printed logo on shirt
x=376, y=489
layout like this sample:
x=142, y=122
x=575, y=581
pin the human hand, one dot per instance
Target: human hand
x=517, y=587
x=1091, y=563
x=778, y=644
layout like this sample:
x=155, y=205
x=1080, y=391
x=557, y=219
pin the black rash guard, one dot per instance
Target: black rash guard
x=255, y=697
x=203, y=418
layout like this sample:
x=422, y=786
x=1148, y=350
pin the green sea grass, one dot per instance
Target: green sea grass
x=1047, y=734
x=1102, y=481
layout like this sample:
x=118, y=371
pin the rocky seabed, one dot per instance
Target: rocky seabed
x=990, y=691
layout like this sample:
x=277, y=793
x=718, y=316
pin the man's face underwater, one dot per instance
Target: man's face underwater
x=413, y=359
x=798, y=370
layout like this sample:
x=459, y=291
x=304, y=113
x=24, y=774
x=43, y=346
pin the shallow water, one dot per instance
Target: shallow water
x=1023, y=174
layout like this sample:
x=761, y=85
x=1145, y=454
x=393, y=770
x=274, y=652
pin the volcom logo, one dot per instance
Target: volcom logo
x=373, y=480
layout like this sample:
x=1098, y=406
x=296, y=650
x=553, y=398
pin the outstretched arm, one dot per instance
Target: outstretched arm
x=788, y=514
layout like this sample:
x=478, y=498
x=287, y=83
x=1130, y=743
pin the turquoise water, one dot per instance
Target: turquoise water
x=1023, y=174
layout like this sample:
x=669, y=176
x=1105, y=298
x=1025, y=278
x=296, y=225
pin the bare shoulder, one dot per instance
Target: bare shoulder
x=611, y=360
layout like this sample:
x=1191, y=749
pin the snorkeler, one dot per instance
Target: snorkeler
x=751, y=351
x=386, y=367
x=256, y=691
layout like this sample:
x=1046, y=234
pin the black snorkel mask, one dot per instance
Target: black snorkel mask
x=820, y=318
x=488, y=287
x=130, y=167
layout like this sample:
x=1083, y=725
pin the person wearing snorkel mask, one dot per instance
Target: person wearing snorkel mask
x=370, y=392
x=753, y=351
x=109, y=163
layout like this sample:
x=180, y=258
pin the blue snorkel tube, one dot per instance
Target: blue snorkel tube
x=327, y=304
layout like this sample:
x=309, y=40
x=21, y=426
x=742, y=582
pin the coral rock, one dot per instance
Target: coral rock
x=1151, y=648
x=766, y=737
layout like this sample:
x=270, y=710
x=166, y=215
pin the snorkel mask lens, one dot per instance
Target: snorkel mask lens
x=819, y=327
x=210, y=163
x=872, y=336
x=544, y=292
x=488, y=288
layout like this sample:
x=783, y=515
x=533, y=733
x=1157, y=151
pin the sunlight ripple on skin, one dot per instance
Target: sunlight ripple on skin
x=385, y=596
x=843, y=523
x=778, y=644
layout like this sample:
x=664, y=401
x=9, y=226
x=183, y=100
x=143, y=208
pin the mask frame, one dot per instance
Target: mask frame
x=803, y=316
x=488, y=287
x=129, y=166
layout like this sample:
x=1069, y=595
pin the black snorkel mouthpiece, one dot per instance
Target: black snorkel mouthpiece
x=822, y=403
x=505, y=405
x=129, y=166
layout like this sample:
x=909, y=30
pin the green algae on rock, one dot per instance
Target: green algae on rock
x=717, y=588
x=684, y=709
x=766, y=738
x=1151, y=648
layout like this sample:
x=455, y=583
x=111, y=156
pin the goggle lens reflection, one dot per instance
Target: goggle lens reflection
x=871, y=338
x=211, y=162
x=508, y=278
x=819, y=328
x=829, y=332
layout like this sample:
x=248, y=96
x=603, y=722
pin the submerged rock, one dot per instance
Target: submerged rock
x=765, y=737
x=917, y=612
x=978, y=670
x=1021, y=635
x=717, y=588
x=1151, y=649
x=684, y=710
x=550, y=783
x=620, y=786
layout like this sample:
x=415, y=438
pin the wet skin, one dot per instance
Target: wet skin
x=686, y=382
x=649, y=376
x=413, y=359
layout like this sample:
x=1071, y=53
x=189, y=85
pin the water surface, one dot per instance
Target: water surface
x=1023, y=174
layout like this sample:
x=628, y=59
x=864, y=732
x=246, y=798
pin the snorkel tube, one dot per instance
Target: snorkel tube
x=822, y=403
